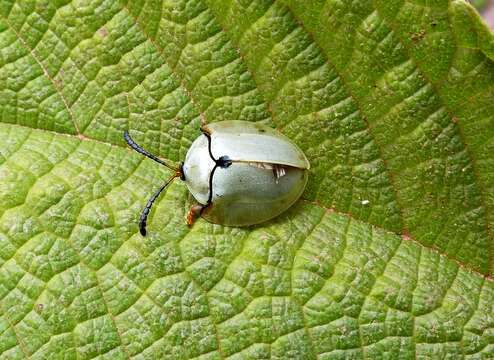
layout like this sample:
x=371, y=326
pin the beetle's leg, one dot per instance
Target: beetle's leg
x=204, y=125
x=194, y=212
x=278, y=172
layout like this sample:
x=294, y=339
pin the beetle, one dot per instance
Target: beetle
x=241, y=173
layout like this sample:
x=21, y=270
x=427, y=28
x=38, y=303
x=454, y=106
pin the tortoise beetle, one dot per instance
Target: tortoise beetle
x=241, y=173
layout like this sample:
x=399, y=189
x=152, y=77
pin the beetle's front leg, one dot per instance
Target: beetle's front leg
x=194, y=212
x=204, y=125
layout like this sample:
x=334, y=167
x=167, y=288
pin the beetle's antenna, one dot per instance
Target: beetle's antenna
x=147, y=208
x=140, y=150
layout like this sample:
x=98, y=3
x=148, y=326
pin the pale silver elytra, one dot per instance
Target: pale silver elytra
x=240, y=173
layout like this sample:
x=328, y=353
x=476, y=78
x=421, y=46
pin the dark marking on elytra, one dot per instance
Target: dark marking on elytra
x=222, y=162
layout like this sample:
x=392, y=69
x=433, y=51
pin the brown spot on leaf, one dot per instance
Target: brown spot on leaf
x=418, y=36
x=103, y=32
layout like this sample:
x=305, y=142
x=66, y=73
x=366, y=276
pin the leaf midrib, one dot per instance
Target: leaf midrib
x=404, y=237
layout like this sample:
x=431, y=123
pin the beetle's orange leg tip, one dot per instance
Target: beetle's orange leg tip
x=193, y=214
x=191, y=218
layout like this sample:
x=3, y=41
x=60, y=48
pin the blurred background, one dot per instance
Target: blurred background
x=486, y=8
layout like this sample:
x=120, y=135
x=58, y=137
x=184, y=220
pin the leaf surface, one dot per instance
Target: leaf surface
x=388, y=255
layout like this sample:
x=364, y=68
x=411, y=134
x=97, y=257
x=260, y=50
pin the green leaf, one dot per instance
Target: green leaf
x=479, y=4
x=388, y=255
